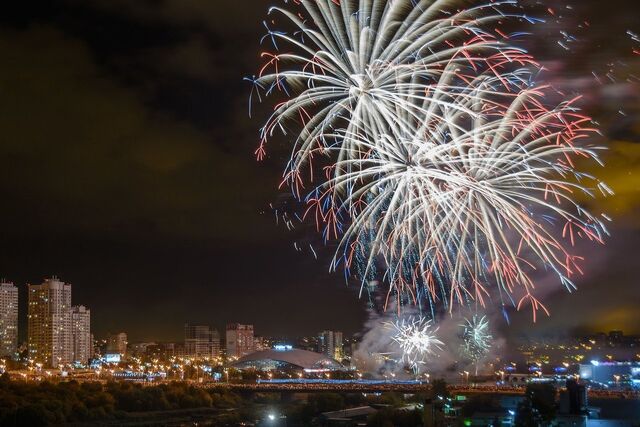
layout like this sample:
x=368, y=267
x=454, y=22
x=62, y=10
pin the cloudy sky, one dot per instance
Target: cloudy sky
x=128, y=170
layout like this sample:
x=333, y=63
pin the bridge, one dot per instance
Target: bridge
x=353, y=387
x=409, y=387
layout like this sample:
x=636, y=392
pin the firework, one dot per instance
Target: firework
x=417, y=339
x=350, y=63
x=433, y=155
x=458, y=207
x=476, y=338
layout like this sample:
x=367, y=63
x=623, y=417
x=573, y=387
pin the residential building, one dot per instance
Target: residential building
x=201, y=341
x=117, y=344
x=81, y=331
x=49, y=328
x=239, y=340
x=8, y=319
x=330, y=344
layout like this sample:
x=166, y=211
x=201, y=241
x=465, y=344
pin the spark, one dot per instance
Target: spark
x=476, y=337
x=428, y=151
x=417, y=339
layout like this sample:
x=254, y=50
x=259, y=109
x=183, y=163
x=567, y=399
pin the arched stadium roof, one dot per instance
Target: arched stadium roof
x=302, y=359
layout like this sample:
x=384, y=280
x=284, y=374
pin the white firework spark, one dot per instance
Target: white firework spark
x=477, y=338
x=418, y=341
x=358, y=63
x=476, y=201
x=440, y=162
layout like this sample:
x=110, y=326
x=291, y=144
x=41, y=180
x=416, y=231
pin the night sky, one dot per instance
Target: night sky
x=128, y=171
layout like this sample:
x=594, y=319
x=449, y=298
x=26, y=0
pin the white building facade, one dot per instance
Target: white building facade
x=49, y=325
x=8, y=319
x=82, y=342
x=239, y=340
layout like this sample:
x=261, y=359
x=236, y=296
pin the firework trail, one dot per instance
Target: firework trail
x=366, y=62
x=432, y=155
x=417, y=341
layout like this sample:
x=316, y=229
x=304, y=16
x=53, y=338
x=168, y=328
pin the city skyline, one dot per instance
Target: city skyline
x=280, y=330
x=51, y=303
x=205, y=336
x=175, y=329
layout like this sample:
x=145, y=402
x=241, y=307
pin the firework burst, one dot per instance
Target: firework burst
x=477, y=338
x=456, y=208
x=354, y=63
x=417, y=339
x=430, y=152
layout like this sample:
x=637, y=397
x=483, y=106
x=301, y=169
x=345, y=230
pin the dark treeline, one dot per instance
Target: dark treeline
x=38, y=404
x=25, y=403
x=45, y=403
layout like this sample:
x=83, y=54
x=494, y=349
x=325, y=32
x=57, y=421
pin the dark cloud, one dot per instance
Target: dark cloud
x=75, y=138
x=215, y=16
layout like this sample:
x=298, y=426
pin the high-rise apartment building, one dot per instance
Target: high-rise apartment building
x=338, y=349
x=49, y=329
x=260, y=344
x=8, y=319
x=216, y=347
x=139, y=349
x=81, y=331
x=92, y=354
x=239, y=340
x=117, y=344
x=163, y=351
x=325, y=343
x=330, y=344
x=201, y=341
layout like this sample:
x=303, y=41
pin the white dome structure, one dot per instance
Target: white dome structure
x=287, y=359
